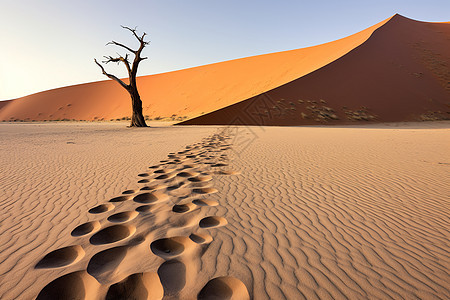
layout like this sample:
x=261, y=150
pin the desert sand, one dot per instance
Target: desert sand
x=396, y=65
x=95, y=210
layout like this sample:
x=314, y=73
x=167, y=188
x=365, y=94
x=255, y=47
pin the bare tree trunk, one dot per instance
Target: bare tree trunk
x=137, y=119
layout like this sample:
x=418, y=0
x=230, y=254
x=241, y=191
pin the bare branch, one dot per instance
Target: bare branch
x=121, y=45
x=118, y=60
x=123, y=84
x=133, y=31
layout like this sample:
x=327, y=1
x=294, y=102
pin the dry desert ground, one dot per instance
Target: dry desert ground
x=95, y=210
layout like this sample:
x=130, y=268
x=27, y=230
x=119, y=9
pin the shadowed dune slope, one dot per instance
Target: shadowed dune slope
x=185, y=93
x=401, y=73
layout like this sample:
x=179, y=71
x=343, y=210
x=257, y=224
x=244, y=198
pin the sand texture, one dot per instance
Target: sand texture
x=397, y=65
x=99, y=211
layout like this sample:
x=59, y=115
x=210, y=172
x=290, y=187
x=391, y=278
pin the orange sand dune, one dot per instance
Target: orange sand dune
x=400, y=73
x=186, y=93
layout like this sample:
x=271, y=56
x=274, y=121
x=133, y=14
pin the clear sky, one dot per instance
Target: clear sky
x=47, y=44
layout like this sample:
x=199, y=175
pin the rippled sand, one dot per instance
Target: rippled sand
x=89, y=210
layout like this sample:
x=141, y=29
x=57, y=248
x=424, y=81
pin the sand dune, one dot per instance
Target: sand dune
x=401, y=73
x=396, y=70
x=335, y=213
x=184, y=93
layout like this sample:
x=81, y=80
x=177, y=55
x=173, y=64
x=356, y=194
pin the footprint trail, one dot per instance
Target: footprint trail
x=150, y=239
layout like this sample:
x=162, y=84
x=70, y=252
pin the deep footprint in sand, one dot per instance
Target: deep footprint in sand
x=201, y=178
x=224, y=288
x=120, y=198
x=147, y=198
x=144, y=181
x=76, y=285
x=169, y=248
x=112, y=234
x=61, y=257
x=212, y=222
x=137, y=286
x=86, y=228
x=154, y=187
x=201, y=238
x=173, y=276
x=127, y=192
x=144, y=208
x=183, y=208
x=164, y=171
x=106, y=261
x=205, y=190
x=228, y=172
x=101, y=208
x=187, y=174
x=205, y=202
x=123, y=216
x=166, y=176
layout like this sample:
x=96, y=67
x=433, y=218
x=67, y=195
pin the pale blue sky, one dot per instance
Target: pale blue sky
x=47, y=44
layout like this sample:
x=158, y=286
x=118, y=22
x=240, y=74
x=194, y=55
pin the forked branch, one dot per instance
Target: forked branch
x=123, y=84
x=118, y=60
x=121, y=45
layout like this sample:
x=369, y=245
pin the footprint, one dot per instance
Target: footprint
x=182, y=208
x=101, y=208
x=189, y=166
x=224, y=288
x=76, y=285
x=144, y=181
x=166, y=176
x=151, y=197
x=165, y=171
x=154, y=187
x=201, y=238
x=228, y=172
x=187, y=174
x=123, y=217
x=106, y=261
x=144, y=208
x=120, y=199
x=128, y=192
x=86, y=228
x=201, y=178
x=112, y=234
x=169, y=248
x=205, y=202
x=172, y=274
x=205, y=190
x=143, y=175
x=219, y=165
x=137, y=286
x=213, y=221
x=61, y=257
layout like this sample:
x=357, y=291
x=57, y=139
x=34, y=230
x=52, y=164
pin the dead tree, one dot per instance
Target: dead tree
x=137, y=119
